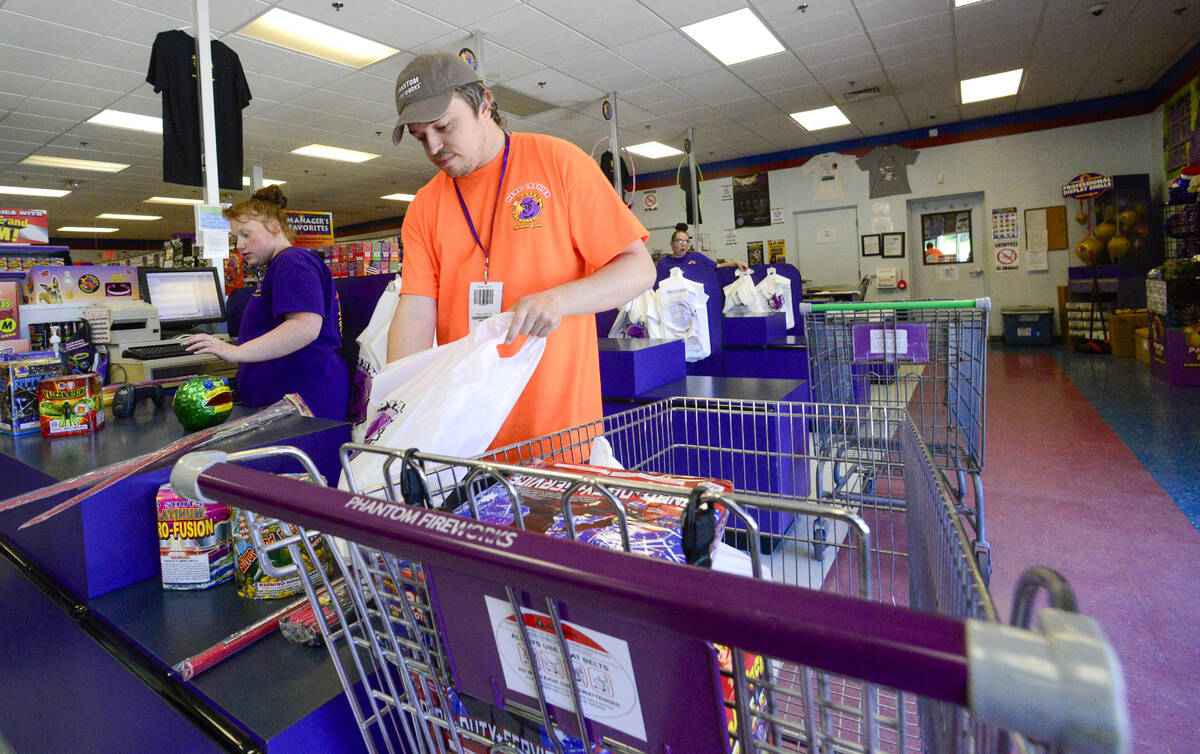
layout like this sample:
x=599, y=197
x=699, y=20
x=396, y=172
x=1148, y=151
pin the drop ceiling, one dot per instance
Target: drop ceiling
x=63, y=61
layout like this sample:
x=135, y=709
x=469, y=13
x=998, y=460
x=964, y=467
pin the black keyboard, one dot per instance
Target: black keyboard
x=156, y=351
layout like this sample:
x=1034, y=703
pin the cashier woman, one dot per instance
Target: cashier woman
x=681, y=254
x=290, y=335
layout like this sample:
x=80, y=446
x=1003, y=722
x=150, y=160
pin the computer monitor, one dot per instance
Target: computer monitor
x=184, y=296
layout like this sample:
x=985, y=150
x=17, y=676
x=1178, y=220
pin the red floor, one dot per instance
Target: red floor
x=1062, y=490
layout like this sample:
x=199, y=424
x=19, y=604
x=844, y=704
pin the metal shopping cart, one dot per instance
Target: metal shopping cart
x=887, y=643
x=927, y=356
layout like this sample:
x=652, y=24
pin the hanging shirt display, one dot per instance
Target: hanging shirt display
x=826, y=170
x=173, y=72
x=776, y=293
x=887, y=169
x=684, y=308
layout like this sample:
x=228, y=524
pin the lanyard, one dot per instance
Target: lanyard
x=492, y=226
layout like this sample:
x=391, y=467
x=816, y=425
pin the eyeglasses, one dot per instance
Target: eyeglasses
x=681, y=240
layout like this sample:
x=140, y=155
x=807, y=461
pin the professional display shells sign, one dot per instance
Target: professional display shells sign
x=24, y=226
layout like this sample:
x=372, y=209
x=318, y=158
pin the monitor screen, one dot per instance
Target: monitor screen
x=183, y=296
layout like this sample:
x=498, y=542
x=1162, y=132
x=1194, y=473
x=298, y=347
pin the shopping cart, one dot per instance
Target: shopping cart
x=927, y=356
x=889, y=642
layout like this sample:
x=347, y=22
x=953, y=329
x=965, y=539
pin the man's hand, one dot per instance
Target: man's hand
x=537, y=314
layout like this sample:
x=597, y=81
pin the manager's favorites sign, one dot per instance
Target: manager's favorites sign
x=313, y=229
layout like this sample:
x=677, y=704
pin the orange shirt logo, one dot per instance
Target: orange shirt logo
x=526, y=207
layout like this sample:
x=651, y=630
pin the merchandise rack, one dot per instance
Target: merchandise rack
x=824, y=652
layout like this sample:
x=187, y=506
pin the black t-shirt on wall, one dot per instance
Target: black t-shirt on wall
x=173, y=72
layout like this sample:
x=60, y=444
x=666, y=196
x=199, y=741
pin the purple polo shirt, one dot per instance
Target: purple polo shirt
x=692, y=257
x=296, y=280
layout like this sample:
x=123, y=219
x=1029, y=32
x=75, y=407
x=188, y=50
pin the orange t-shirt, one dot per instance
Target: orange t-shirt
x=558, y=220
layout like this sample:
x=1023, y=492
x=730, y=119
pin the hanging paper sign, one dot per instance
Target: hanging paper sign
x=1007, y=259
x=313, y=229
x=650, y=201
x=468, y=56
x=606, y=110
x=24, y=226
x=1087, y=186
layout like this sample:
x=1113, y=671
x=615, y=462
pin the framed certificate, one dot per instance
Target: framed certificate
x=893, y=245
x=872, y=245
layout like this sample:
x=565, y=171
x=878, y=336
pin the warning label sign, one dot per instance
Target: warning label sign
x=1007, y=259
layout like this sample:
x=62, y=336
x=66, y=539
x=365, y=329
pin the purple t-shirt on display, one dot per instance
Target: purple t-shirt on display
x=296, y=280
x=692, y=257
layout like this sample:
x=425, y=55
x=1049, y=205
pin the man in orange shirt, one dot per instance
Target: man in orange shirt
x=524, y=221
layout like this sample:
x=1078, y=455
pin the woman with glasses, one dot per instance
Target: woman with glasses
x=682, y=254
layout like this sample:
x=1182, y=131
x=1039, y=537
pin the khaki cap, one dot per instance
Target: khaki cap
x=425, y=88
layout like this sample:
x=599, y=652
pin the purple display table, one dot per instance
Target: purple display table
x=786, y=358
x=754, y=329
x=1172, y=359
x=630, y=366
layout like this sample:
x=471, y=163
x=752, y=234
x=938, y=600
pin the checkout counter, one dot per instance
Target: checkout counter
x=89, y=634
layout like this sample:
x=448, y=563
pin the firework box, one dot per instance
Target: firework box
x=10, y=310
x=19, y=378
x=1121, y=325
x=70, y=405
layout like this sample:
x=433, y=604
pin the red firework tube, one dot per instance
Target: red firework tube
x=235, y=642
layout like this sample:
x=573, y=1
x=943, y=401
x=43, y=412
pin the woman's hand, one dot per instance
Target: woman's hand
x=212, y=346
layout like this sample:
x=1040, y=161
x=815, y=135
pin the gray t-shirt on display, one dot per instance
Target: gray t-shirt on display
x=888, y=169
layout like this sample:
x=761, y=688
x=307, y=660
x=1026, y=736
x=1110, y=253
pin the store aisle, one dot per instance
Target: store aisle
x=1064, y=490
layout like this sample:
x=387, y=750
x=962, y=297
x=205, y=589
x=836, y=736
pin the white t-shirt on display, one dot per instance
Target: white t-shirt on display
x=826, y=170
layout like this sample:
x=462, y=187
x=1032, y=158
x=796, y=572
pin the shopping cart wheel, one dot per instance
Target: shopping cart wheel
x=820, y=536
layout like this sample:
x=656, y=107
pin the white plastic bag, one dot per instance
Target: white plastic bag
x=775, y=291
x=450, y=399
x=683, y=306
x=372, y=355
x=741, y=296
x=640, y=318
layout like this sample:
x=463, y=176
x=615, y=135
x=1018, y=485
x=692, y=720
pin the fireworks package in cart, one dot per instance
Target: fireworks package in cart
x=654, y=521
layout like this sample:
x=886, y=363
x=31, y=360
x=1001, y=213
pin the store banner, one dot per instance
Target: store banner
x=24, y=226
x=313, y=229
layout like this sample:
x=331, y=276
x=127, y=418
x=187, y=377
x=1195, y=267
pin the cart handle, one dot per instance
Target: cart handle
x=1062, y=684
x=860, y=306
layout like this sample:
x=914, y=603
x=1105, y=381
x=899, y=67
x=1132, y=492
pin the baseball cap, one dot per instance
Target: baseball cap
x=426, y=86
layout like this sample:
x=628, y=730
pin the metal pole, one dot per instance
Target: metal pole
x=477, y=48
x=208, y=124
x=616, y=147
x=693, y=184
x=256, y=177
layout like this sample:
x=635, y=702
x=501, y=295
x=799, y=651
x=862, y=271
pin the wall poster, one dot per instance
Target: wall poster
x=751, y=200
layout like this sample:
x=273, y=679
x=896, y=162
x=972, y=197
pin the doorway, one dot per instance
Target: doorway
x=827, y=247
x=956, y=222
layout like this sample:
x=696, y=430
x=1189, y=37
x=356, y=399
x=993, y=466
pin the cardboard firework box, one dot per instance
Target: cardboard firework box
x=19, y=378
x=10, y=310
x=70, y=405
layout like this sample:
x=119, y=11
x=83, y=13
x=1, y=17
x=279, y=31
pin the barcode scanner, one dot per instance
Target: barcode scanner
x=126, y=398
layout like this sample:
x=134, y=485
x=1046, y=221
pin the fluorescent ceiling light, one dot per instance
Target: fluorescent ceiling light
x=279, y=27
x=22, y=191
x=266, y=181
x=115, y=216
x=334, y=153
x=961, y=3
x=47, y=161
x=400, y=197
x=990, y=87
x=171, y=200
x=132, y=121
x=825, y=117
x=85, y=229
x=653, y=150
x=734, y=37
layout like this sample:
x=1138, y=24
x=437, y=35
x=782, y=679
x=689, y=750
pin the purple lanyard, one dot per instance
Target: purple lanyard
x=492, y=226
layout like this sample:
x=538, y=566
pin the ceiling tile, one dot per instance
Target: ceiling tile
x=95, y=15
x=30, y=62
x=100, y=77
x=462, y=15
x=115, y=53
x=622, y=81
x=308, y=71
x=878, y=13
x=840, y=72
x=773, y=65
x=520, y=26
x=625, y=22
x=501, y=64
x=559, y=89
x=683, y=12
x=669, y=55
x=915, y=30
x=405, y=28
x=575, y=13
x=19, y=84
x=939, y=68
x=61, y=91
x=836, y=49
x=560, y=48
x=810, y=30
x=649, y=96
x=230, y=15
x=718, y=85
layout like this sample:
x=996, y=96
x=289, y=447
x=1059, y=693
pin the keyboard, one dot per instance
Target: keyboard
x=156, y=351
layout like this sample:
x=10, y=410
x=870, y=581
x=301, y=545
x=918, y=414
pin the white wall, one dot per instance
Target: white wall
x=1024, y=170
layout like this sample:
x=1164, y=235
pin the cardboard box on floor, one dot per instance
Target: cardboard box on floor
x=1141, y=344
x=1121, y=325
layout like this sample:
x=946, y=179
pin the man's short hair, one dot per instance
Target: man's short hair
x=475, y=93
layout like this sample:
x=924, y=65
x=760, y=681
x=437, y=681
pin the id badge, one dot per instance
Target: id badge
x=484, y=302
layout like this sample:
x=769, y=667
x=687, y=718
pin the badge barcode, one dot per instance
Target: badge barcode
x=483, y=296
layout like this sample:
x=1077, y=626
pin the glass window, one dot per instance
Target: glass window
x=946, y=237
